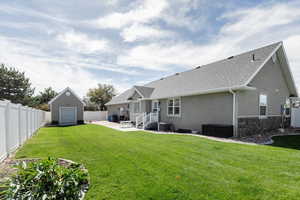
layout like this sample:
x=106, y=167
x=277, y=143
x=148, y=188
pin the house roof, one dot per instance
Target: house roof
x=63, y=92
x=233, y=73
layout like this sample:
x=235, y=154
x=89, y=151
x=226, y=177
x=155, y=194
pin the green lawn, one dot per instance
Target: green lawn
x=141, y=165
x=290, y=141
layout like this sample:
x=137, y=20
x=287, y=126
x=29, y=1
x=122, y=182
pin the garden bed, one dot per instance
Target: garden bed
x=8, y=169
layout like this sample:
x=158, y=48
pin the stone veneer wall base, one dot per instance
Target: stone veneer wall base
x=248, y=126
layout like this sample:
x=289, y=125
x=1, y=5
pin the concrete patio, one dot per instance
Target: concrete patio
x=115, y=125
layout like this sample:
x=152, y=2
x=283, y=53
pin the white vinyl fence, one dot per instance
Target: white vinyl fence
x=95, y=115
x=17, y=124
x=87, y=116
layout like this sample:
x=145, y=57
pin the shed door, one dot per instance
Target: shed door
x=68, y=115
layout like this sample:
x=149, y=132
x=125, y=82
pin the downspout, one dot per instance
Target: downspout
x=234, y=121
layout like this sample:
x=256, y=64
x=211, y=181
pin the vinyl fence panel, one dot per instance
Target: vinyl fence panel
x=95, y=115
x=23, y=125
x=13, y=134
x=48, y=117
x=17, y=124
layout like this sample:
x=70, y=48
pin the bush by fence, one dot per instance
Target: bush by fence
x=17, y=124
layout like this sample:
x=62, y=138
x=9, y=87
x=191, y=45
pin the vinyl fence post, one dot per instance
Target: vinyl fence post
x=31, y=122
x=7, y=125
x=26, y=122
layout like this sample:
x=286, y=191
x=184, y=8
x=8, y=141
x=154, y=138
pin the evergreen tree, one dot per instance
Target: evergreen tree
x=14, y=86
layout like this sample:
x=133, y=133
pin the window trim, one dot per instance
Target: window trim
x=140, y=106
x=285, y=107
x=174, y=115
x=259, y=105
x=152, y=105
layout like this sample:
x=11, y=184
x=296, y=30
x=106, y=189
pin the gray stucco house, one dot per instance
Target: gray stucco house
x=66, y=108
x=248, y=91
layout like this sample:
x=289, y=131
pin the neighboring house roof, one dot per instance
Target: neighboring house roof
x=233, y=73
x=63, y=92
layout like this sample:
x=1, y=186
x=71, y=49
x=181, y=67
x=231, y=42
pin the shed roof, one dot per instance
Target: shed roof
x=63, y=92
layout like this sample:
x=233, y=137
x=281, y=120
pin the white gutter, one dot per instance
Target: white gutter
x=234, y=119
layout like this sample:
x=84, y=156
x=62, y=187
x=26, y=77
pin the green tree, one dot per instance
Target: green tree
x=89, y=106
x=41, y=100
x=46, y=95
x=101, y=95
x=14, y=86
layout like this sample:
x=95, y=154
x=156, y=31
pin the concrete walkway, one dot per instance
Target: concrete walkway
x=117, y=126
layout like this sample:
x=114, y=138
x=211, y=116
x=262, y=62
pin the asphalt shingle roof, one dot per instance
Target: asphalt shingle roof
x=226, y=73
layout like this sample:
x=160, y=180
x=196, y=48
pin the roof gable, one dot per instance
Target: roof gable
x=135, y=95
x=63, y=92
x=145, y=92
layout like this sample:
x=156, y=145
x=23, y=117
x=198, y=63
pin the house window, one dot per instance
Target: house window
x=174, y=107
x=136, y=107
x=263, y=104
x=155, y=106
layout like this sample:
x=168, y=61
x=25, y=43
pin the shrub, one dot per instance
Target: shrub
x=47, y=180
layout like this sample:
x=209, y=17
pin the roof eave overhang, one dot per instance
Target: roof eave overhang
x=290, y=72
x=212, y=91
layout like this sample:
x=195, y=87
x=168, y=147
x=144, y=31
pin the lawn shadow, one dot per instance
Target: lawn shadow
x=48, y=125
x=288, y=141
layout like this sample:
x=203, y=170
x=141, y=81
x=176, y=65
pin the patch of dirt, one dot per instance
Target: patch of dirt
x=6, y=170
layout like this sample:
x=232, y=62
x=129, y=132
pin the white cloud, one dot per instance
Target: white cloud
x=244, y=30
x=44, y=70
x=253, y=21
x=292, y=46
x=82, y=43
x=162, y=57
x=143, y=12
x=26, y=11
x=178, y=14
x=138, y=32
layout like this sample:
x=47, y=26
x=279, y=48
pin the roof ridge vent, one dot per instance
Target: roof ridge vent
x=253, y=57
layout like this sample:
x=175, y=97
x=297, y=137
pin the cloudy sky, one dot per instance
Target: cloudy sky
x=81, y=43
